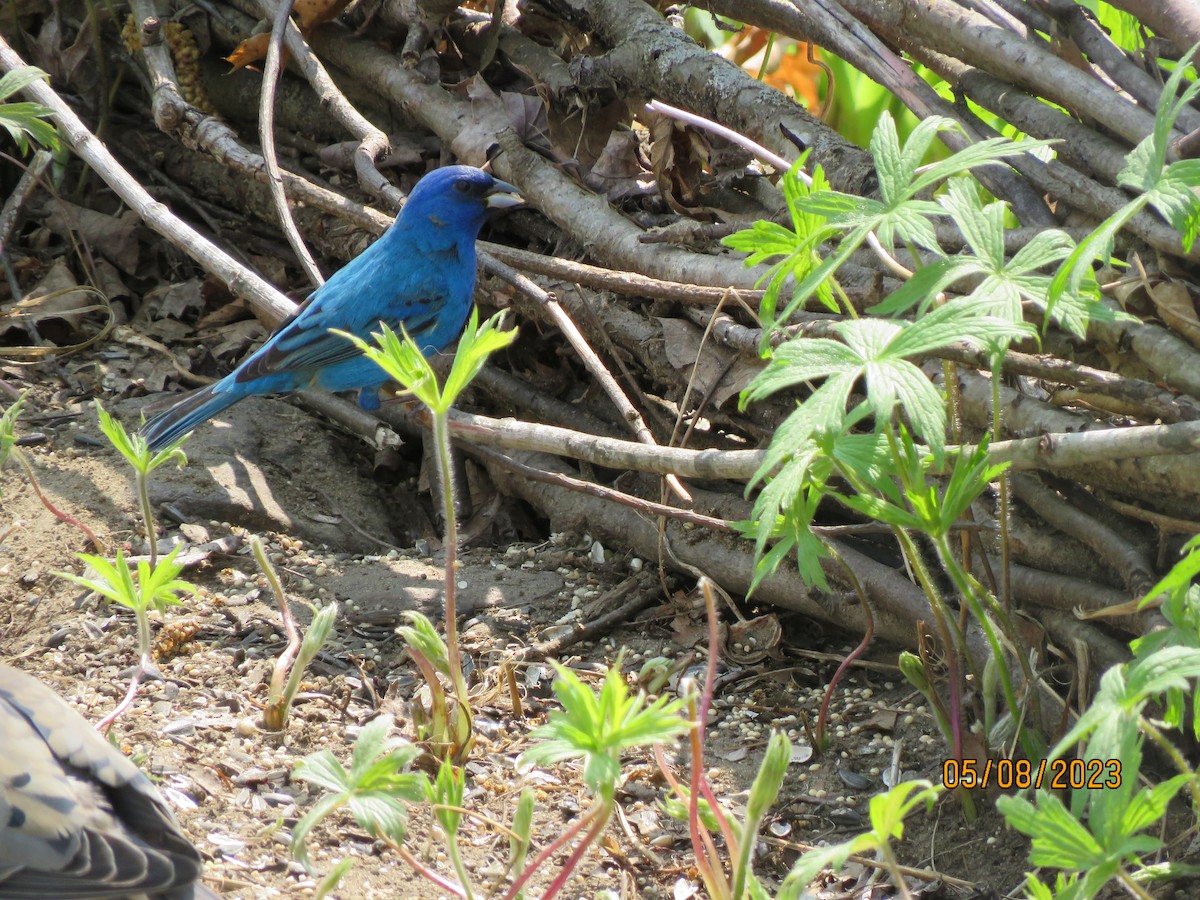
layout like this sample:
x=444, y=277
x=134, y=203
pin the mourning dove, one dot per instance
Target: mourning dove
x=77, y=819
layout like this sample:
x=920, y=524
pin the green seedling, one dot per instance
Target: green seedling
x=378, y=789
x=596, y=728
x=402, y=359
x=156, y=587
x=887, y=813
x=138, y=454
x=289, y=667
x=442, y=727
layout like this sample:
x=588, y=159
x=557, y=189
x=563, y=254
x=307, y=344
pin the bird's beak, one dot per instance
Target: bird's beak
x=503, y=196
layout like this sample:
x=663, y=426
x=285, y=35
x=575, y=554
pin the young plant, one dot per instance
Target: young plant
x=403, y=360
x=438, y=726
x=378, y=788
x=289, y=667
x=886, y=814
x=1100, y=834
x=137, y=453
x=156, y=587
x=596, y=728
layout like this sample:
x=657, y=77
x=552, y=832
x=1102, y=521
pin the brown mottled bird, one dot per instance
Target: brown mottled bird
x=77, y=819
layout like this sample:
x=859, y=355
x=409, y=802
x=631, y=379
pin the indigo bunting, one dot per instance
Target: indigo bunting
x=419, y=274
x=78, y=819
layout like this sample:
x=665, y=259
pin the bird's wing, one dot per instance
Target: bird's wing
x=399, y=279
x=306, y=344
x=78, y=819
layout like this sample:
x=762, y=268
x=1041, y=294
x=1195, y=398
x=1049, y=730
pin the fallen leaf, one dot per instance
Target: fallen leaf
x=1174, y=304
x=681, y=340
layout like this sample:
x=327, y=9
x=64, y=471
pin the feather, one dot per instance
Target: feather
x=420, y=275
x=78, y=819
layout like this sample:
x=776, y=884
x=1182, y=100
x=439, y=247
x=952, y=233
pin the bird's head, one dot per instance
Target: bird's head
x=457, y=197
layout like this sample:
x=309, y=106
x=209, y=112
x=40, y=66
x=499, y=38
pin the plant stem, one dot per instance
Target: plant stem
x=141, y=479
x=893, y=867
x=565, y=838
x=868, y=634
x=54, y=510
x=572, y=862
x=941, y=616
x=275, y=715
x=1134, y=889
x=421, y=869
x=452, y=849
x=1005, y=490
x=441, y=441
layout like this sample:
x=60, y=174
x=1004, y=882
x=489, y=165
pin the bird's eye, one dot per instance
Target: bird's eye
x=463, y=187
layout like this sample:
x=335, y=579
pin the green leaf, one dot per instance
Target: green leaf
x=1149, y=805
x=1059, y=840
x=922, y=289
x=476, y=345
x=597, y=728
x=323, y=769
x=420, y=634
x=321, y=809
x=20, y=78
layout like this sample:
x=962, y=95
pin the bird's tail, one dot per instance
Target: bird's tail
x=196, y=408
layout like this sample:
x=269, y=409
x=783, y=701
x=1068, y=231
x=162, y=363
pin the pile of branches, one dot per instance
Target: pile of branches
x=639, y=329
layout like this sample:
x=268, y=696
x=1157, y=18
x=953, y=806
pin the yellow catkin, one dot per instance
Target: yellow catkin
x=186, y=56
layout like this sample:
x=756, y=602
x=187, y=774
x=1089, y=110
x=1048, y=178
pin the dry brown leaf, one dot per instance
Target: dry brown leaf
x=113, y=237
x=53, y=297
x=527, y=114
x=582, y=133
x=312, y=13
x=681, y=341
x=1174, y=304
x=174, y=300
x=251, y=50
x=619, y=172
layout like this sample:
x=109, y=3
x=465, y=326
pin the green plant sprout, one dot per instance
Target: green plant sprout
x=138, y=454
x=25, y=121
x=436, y=724
x=295, y=658
x=156, y=587
x=10, y=450
x=380, y=786
x=403, y=360
x=596, y=728
x=886, y=814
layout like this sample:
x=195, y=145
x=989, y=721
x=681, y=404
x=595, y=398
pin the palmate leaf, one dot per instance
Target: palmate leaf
x=878, y=350
x=598, y=727
x=1166, y=188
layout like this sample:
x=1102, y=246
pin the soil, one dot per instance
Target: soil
x=315, y=499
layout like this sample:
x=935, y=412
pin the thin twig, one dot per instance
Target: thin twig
x=266, y=138
x=558, y=315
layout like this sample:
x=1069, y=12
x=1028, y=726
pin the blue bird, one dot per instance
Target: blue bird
x=419, y=274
